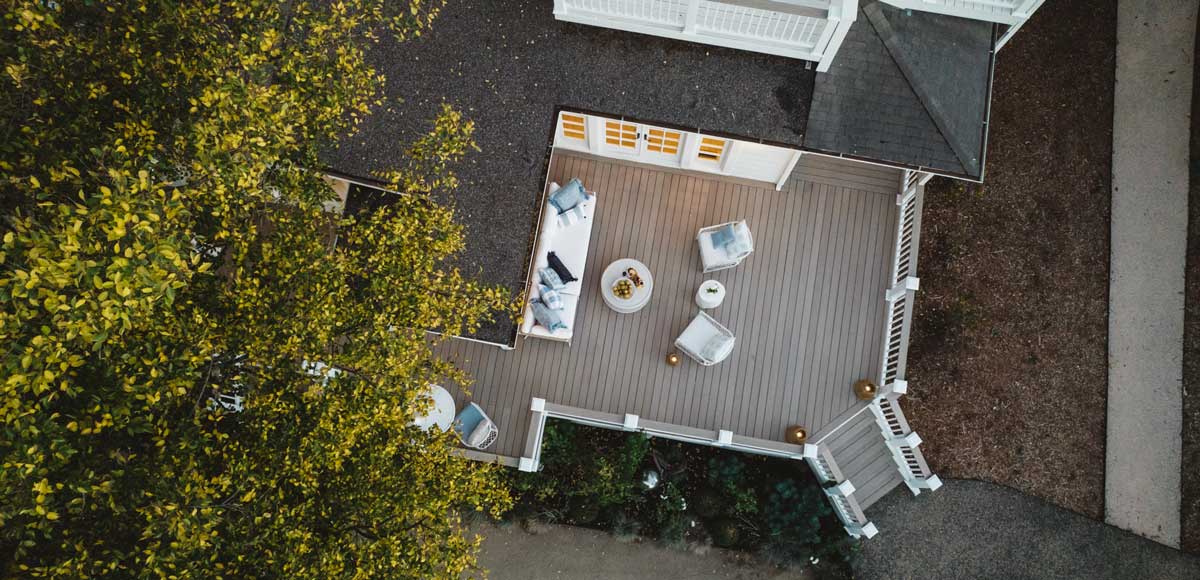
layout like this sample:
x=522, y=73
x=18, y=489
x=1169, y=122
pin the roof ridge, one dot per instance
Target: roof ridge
x=883, y=29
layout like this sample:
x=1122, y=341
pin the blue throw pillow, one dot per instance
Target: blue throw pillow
x=550, y=297
x=550, y=278
x=568, y=196
x=546, y=317
x=722, y=237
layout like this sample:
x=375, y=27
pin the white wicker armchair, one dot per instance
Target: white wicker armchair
x=706, y=340
x=724, y=245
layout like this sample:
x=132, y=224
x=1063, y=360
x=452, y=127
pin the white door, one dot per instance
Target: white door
x=661, y=146
x=621, y=138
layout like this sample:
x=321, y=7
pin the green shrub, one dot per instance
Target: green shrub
x=727, y=473
x=584, y=510
x=726, y=532
x=708, y=503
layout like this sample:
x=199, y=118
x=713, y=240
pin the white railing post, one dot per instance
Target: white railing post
x=533, y=445
x=867, y=530
x=842, y=14
x=910, y=284
x=689, y=19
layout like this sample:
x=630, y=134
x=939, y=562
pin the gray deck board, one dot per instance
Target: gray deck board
x=807, y=307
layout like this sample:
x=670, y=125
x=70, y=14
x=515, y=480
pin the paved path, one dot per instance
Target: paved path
x=1155, y=40
x=566, y=552
x=980, y=531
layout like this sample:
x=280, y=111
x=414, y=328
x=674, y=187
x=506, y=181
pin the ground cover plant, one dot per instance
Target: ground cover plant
x=683, y=495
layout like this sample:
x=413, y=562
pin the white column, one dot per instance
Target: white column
x=842, y=13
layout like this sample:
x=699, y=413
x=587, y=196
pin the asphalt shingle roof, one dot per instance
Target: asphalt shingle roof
x=510, y=66
x=907, y=87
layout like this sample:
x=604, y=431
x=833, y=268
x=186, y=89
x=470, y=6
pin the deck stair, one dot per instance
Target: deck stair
x=864, y=458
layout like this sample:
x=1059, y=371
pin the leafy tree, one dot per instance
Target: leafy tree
x=164, y=244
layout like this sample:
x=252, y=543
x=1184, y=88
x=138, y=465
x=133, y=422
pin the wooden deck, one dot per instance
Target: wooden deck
x=807, y=307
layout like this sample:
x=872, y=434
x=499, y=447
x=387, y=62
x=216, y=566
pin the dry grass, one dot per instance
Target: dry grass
x=1008, y=360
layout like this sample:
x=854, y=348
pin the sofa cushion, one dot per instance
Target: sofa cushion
x=550, y=297
x=715, y=348
x=571, y=217
x=546, y=317
x=479, y=434
x=723, y=236
x=568, y=196
x=550, y=278
x=557, y=265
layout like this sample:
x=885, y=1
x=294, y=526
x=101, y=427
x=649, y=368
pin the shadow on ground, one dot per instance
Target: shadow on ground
x=978, y=530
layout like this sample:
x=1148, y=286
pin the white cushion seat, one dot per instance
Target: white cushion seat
x=706, y=340
x=726, y=255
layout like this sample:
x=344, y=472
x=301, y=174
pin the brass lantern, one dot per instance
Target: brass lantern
x=796, y=435
x=866, y=390
x=673, y=359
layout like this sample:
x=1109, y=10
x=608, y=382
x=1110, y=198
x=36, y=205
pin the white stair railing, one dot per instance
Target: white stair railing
x=904, y=444
x=840, y=493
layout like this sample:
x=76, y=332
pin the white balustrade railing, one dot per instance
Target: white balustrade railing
x=903, y=279
x=729, y=19
x=840, y=494
x=813, y=31
x=668, y=12
x=904, y=444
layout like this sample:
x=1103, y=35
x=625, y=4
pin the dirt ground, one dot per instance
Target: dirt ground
x=1191, y=338
x=568, y=552
x=1008, y=359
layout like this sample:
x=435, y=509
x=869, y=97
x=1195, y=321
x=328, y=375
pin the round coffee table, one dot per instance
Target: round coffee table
x=441, y=414
x=641, y=296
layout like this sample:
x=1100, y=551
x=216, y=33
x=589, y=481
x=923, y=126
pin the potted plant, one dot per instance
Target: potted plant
x=710, y=294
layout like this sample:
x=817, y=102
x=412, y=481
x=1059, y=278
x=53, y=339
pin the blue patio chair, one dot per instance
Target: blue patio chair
x=475, y=428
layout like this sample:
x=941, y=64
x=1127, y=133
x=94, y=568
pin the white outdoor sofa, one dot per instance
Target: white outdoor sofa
x=570, y=244
x=706, y=340
x=715, y=257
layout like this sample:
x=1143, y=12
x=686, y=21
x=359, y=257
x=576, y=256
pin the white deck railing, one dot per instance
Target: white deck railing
x=903, y=280
x=810, y=30
x=1014, y=13
x=904, y=444
x=840, y=493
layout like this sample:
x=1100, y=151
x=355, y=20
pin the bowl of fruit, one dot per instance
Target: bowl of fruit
x=623, y=289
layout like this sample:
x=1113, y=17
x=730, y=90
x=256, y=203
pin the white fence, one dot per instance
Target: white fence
x=811, y=30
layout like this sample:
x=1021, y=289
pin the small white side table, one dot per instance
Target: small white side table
x=710, y=295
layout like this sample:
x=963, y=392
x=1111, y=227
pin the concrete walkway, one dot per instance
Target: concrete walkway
x=1155, y=41
x=977, y=530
